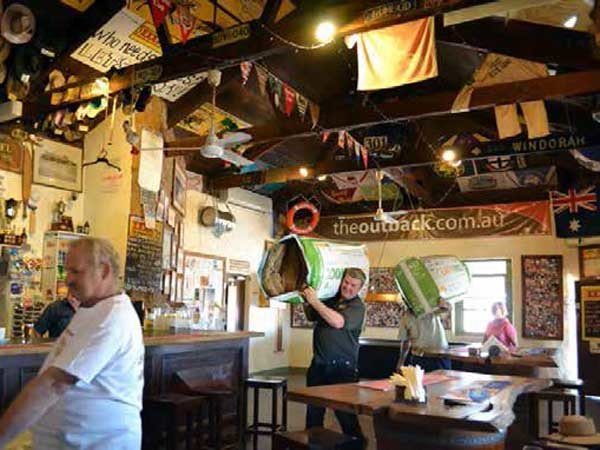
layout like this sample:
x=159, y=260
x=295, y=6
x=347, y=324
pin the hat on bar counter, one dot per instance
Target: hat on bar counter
x=576, y=430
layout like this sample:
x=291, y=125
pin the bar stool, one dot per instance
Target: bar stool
x=568, y=399
x=166, y=414
x=263, y=428
x=218, y=393
x=577, y=384
x=315, y=439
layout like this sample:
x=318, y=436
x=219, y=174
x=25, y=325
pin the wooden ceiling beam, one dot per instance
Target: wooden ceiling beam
x=552, y=45
x=343, y=117
x=84, y=27
x=200, y=54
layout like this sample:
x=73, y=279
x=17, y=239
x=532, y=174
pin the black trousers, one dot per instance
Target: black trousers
x=334, y=372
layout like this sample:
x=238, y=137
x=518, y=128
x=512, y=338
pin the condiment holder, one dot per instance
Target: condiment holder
x=400, y=397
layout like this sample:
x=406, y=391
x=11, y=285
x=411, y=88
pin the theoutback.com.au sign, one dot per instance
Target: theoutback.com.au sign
x=511, y=219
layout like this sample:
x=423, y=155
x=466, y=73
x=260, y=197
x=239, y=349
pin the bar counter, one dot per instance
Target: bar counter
x=166, y=354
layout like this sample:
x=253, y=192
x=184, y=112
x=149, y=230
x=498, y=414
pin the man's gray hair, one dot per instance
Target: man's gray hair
x=357, y=274
x=99, y=251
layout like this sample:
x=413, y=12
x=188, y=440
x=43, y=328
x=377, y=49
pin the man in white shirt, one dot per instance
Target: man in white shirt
x=88, y=393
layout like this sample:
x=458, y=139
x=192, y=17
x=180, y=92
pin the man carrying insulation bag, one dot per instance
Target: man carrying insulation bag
x=339, y=322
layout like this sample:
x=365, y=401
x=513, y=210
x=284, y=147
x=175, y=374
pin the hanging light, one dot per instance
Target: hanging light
x=571, y=21
x=303, y=171
x=449, y=155
x=325, y=32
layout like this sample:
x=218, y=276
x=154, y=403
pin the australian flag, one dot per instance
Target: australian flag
x=577, y=212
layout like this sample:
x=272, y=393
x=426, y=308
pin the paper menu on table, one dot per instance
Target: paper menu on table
x=476, y=392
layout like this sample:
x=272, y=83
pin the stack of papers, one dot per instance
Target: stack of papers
x=476, y=393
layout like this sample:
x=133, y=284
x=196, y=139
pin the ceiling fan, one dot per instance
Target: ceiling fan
x=380, y=214
x=214, y=147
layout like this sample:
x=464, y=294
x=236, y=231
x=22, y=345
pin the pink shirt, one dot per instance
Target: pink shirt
x=504, y=332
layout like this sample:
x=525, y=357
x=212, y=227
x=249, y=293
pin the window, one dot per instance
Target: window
x=490, y=283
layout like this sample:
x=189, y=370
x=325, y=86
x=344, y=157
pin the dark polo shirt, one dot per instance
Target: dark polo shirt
x=332, y=345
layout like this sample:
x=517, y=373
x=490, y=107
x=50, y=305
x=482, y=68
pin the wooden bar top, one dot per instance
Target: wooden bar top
x=492, y=416
x=17, y=347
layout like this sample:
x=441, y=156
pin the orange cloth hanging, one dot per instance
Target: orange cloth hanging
x=396, y=55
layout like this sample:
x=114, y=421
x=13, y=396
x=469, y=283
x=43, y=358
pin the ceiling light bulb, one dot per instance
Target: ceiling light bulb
x=449, y=155
x=571, y=21
x=322, y=177
x=325, y=32
x=303, y=171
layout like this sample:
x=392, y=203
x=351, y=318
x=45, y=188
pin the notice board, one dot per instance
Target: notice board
x=590, y=312
x=143, y=270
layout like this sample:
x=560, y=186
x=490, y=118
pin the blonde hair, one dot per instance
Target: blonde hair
x=99, y=251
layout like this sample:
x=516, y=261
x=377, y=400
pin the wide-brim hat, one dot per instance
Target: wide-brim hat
x=576, y=430
x=18, y=24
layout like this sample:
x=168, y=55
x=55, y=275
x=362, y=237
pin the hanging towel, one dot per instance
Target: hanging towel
x=497, y=69
x=396, y=55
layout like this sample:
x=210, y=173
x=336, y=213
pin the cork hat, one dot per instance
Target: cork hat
x=576, y=430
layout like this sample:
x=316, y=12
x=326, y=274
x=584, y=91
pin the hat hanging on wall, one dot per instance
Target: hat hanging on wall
x=18, y=24
x=4, y=49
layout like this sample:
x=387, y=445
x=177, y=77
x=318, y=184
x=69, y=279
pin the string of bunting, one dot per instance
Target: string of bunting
x=181, y=16
x=345, y=141
x=284, y=97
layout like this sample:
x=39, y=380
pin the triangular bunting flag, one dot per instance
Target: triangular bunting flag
x=262, y=76
x=290, y=99
x=302, y=104
x=160, y=9
x=314, y=113
x=357, y=153
x=349, y=141
x=186, y=22
x=276, y=90
x=341, y=139
x=245, y=68
x=325, y=136
x=365, y=156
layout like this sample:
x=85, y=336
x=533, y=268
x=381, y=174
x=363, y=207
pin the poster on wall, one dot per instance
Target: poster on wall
x=298, y=318
x=203, y=279
x=589, y=262
x=590, y=313
x=542, y=294
x=57, y=165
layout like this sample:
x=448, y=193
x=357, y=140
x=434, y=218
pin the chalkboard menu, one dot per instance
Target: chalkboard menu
x=143, y=270
x=590, y=310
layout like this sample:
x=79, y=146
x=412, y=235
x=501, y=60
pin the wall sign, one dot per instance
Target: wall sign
x=231, y=35
x=175, y=89
x=530, y=218
x=542, y=295
x=57, y=165
x=116, y=44
x=143, y=261
x=590, y=312
x=589, y=261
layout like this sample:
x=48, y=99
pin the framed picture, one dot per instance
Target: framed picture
x=384, y=314
x=167, y=246
x=173, y=293
x=542, y=293
x=179, y=184
x=57, y=165
x=589, y=262
x=11, y=154
x=167, y=283
x=171, y=216
x=180, y=262
x=174, y=248
x=298, y=318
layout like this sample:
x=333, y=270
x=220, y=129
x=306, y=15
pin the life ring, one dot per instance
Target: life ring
x=314, y=220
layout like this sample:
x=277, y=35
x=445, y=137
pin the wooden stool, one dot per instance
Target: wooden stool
x=568, y=398
x=273, y=384
x=315, y=439
x=577, y=384
x=217, y=394
x=168, y=413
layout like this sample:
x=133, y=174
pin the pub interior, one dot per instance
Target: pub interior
x=388, y=209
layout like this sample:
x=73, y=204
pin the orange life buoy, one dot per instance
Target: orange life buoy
x=314, y=220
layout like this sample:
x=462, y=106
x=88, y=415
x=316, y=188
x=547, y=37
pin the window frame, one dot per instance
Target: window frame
x=459, y=330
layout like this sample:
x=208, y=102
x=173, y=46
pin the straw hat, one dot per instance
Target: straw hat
x=577, y=430
x=17, y=24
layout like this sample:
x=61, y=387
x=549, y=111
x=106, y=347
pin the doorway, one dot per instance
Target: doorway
x=236, y=293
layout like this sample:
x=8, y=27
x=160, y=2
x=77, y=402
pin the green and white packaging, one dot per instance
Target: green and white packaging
x=424, y=281
x=325, y=262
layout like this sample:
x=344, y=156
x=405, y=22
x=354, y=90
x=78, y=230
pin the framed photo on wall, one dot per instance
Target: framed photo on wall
x=298, y=318
x=589, y=262
x=58, y=165
x=179, y=185
x=542, y=293
x=12, y=154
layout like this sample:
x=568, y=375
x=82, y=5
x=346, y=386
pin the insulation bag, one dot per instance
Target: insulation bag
x=424, y=281
x=297, y=261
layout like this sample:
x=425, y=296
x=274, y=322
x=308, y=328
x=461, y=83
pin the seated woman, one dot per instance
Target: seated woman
x=501, y=327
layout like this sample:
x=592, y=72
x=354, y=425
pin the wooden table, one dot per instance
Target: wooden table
x=433, y=425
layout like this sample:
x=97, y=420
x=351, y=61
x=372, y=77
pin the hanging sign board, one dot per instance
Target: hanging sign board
x=151, y=161
x=79, y=5
x=116, y=44
x=175, y=89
